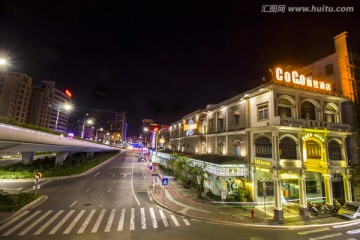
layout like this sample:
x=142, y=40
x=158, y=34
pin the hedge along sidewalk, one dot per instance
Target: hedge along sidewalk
x=66, y=176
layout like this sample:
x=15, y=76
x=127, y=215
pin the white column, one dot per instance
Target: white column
x=347, y=188
x=328, y=189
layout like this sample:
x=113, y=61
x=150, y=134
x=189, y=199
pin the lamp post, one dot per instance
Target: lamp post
x=97, y=133
x=66, y=107
x=88, y=122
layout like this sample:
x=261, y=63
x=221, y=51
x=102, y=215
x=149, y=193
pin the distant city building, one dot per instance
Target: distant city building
x=15, y=93
x=40, y=106
x=58, y=113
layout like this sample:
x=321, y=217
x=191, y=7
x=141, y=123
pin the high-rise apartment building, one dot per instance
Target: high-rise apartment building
x=15, y=94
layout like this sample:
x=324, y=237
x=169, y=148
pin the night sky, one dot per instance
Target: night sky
x=162, y=59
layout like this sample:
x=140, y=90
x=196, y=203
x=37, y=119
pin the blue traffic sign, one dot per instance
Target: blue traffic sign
x=165, y=181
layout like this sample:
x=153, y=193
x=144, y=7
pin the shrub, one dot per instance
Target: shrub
x=211, y=195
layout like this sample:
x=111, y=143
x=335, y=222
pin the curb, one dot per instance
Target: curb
x=248, y=224
x=64, y=177
x=28, y=206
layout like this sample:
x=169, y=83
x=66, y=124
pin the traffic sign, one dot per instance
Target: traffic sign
x=38, y=175
x=165, y=181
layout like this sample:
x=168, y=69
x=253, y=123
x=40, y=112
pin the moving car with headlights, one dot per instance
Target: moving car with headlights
x=350, y=210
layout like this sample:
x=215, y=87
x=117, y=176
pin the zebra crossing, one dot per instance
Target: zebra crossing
x=65, y=222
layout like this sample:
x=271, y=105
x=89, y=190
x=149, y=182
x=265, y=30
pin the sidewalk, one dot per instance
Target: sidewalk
x=185, y=202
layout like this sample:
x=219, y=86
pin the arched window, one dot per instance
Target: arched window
x=221, y=148
x=308, y=111
x=287, y=148
x=334, y=149
x=313, y=150
x=263, y=147
x=284, y=107
x=330, y=113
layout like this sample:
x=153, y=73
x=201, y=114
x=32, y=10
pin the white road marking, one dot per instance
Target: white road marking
x=72, y=224
x=87, y=190
x=132, y=185
x=315, y=231
x=73, y=204
x=96, y=174
x=353, y=231
x=110, y=221
x=26, y=230
x=121, y=221
x=143, y=219
x=101, y=204
x=346, y=225
x=21, y=224
x=166, y=223
x=175, y=220
x=186, y=222
x=132, y=219
x=7, y=189
x=13, y=220
x=43, y=227
x=109, y=189
x=56, y=228
x=86, y=222
x=98, y=221
x=326, y=236
x=153, y=218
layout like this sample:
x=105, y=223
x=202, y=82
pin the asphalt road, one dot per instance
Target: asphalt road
x=114, y=203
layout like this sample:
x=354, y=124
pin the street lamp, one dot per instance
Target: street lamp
x=87, y=122
x=3, y=64
x=97, y=133
x=66, y=107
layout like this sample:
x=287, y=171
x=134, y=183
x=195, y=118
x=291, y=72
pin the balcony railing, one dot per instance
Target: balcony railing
x=297, y=122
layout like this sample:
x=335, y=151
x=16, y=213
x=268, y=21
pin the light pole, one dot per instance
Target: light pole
x=88, y=122
x=66, y=107
x=97, y=133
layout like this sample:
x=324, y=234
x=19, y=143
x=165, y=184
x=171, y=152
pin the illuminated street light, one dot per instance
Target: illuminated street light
x=3, y=64
x=89, y=121
x=65, y=107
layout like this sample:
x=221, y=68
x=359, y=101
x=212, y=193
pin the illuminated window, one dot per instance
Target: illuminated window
x=263, y=112
x=263, y=147
x=284, y=107
x=313, y=150
x=221, y=148
x=211, y=125
x=287, y=148
x=334, y=149
x=330, y=113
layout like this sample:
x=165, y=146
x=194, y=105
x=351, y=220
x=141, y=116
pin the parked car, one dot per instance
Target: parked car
x=141, y=159
x=350, y=210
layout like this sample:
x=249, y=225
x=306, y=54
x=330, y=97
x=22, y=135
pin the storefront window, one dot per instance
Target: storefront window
x=311, y=187
x=313, y=150
x=263, y=147
x=269, y=189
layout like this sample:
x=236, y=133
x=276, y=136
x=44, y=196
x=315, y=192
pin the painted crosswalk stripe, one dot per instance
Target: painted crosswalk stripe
x=186, y=222
x=73, y=204
x=315, y=231
x=98, y=221
x=175, y=220
x=72, y=224
x=43, y=227
x=143, y=219
x=121, y=221
x=110, y=221
x=26, y=230
x=56, y=228
x=14, y=220
x=326, y=236
x=166, y=223
x=21, y=224
x=353, y=231
x=153, y=218
x=86, y=222
x=132, y=219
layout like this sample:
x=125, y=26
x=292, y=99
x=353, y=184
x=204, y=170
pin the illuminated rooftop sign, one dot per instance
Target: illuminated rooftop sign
x=299, y=79
x=68, y=93
x=189, y=128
